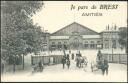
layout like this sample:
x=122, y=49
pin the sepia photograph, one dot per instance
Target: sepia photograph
x=64, y=41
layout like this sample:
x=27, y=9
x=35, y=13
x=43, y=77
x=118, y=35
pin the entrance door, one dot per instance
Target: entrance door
x=75, y=42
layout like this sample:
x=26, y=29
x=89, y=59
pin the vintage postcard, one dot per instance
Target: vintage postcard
x=64, y=41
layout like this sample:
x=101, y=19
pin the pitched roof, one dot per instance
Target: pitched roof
x=74, y=27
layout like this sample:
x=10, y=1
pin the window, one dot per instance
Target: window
x=86, y=42
x=86, y=45
x=53, y=45
x=59, y=45
x=65, y=42
x=92, y=42
x=92, y=45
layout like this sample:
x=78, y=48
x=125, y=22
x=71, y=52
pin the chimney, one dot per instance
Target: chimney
x=108, y=26
x=115, y=27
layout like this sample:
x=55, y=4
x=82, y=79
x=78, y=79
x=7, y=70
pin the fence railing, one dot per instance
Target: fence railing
x=116, y=58
x=46, y=60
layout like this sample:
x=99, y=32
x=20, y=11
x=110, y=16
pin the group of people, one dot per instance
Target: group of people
x=78, y=59
x=102, y=63
x=66, y=60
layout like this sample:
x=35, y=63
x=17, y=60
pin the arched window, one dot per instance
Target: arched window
x=86, y=45
x=53, y=45
x=59, y=45
x=92, y=45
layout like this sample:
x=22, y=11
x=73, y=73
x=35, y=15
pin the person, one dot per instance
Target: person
x=68, y=63
x=106, y=66
x=99, y=58
x=67, y=56
x=40, y=66
x=99, y=55
x=63, y=61
x=72, y=56
x=80, y=54
x=77, y=60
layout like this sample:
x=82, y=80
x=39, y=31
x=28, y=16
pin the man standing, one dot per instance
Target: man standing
x=40, y=66
x=72, y=56
x=104, y=66
x=77, y=60
x=63, y=61
x=99, y=55
x=67, y=56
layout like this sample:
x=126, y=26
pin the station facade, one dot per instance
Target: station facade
x=77, y=36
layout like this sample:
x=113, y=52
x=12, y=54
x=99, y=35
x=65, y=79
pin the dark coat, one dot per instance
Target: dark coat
x=40, y=64
x=63, y=60
x=106, y=64
x=68, y=62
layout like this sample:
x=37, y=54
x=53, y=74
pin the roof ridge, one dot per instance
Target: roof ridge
x=72, y=24
x=64, y=27
x=87, y=28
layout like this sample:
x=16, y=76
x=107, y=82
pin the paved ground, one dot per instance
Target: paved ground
x=117, y=72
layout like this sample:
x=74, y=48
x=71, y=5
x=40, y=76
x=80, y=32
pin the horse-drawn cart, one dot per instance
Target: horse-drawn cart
x=96, y=65
x=99, y=64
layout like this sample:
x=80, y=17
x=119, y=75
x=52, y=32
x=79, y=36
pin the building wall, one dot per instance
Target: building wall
x=77, y=36
x=83, y=43
x=110, y=39
x=90, y=43
x=58, y=44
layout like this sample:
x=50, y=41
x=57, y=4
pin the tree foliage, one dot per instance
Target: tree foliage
x=123, y=36
x=18, y=33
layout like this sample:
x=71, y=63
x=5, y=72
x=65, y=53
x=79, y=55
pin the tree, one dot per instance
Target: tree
x=18, y=34
x=123, y=37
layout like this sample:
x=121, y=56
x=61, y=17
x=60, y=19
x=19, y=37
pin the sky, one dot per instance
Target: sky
x=55, y=15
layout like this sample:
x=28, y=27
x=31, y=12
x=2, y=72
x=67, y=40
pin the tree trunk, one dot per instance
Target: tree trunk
x=14, y=64
x=23, y=61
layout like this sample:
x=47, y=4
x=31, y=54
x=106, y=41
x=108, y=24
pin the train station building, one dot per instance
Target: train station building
x=77, y=36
